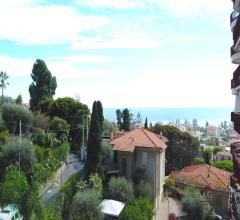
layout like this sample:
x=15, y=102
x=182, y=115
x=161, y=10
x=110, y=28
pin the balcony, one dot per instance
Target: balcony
x=235, y=118
x=236, y=31
x=233, y=20
x=235, y=56
x=236, y=5
x=235, y=82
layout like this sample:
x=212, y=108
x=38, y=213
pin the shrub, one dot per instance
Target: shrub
x=199, y=160
x=224, y=164
x=66, y=195
x=170, y=182
x=45, y=139
x=139, y=209
x=12, y=114
x=120, y=189
x=85, y=205
x=144, y=189
x=9, y=155
x=193, y=204
x=60, y=128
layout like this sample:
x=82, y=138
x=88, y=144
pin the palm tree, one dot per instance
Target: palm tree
x=3, y=83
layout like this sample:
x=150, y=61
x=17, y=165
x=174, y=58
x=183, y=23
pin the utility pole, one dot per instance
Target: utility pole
x=20, y=142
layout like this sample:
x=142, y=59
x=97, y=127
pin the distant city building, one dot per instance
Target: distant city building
x=223, y=155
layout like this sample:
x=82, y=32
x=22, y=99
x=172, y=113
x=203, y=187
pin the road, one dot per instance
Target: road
x=73, y=166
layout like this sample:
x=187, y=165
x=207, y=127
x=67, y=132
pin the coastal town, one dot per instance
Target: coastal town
x=67, y=66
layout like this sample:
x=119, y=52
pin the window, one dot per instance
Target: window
x=144, y=158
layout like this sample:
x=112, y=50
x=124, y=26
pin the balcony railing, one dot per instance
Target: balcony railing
x=233, y=19
x=235, y=56
x=235, y=118
x=236, y=34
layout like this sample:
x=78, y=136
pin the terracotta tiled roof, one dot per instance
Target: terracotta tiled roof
x=203, y=175
x=138, y=137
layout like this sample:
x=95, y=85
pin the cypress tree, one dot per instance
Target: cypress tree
x=126, y=120
x=146, y=123
x=94, y=147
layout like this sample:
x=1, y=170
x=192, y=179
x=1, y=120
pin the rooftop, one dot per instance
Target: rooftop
x=203, y=175
x=139, y=137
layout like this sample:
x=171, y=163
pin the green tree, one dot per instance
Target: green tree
x=19, y=100
x=120, y=189
x=43, y=85
x=119, y=118
x=144, y=189
x=217, y=149
x=12, y=114
x=85, y=205
x=108, y=128
x=94, y=146
x=146, y=123
x=182, y=145
x=126, y=120
x=207, y=155
x=194, y=204
x=13, y=188
x=75, y=113
x=3, y=79
x=60, y=128
x=10, y=151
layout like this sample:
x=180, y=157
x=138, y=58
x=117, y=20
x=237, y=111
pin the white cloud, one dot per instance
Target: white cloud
x=31, y=24
x=115, y=4
x=190, y=8
x=81, y=59
x=118, y=42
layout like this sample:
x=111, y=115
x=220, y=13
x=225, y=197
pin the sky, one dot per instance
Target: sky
x=126, y=53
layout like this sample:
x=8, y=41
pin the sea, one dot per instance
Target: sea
x=213, y=116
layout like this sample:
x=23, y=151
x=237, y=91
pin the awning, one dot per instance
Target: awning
x=112, y=207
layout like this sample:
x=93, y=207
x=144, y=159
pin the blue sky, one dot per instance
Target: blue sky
x=126, y=53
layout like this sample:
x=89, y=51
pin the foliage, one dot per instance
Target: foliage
x=75, y=113
x=119, y=118
x=52, y=214
x=199, y=160
x=13, y=188
x=10, y=151
x=120, y=189
x=107, y=152
x=144, y=189
x=60, y=128
x=224, y=164
x=45, y=139
x=66, y=195
x=126, y=120
x=170, y=182
x=41, y=121
x=182, y=145
x=139, y=209
x=85, y=205
x=108, y=128
x=49, y=159
x=45, y=105
x=194, y=205
x=12, y=114
x=43, y=85
x=3, y=80
x=207, y=155
x=217, y=149
x=95, y=183
x=19, y=100
x=146, y=123
x=94, y=146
